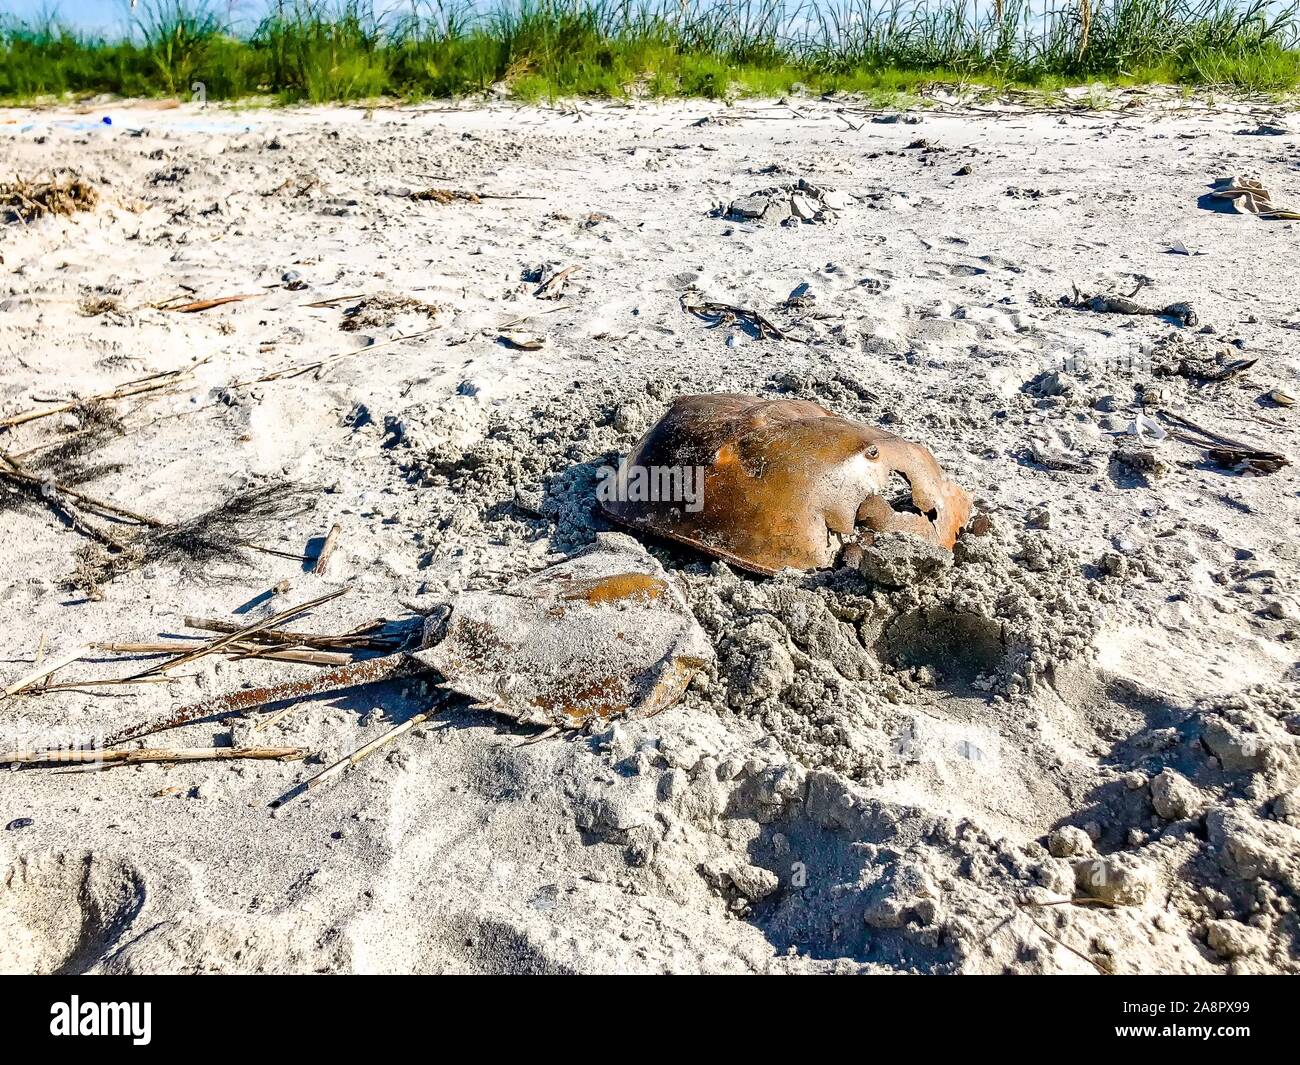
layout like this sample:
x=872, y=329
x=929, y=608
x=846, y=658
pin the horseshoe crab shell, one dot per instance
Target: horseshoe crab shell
x=785, y=483
x=604, y=634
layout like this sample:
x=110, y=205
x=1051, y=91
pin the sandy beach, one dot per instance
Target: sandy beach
x=1072, y=747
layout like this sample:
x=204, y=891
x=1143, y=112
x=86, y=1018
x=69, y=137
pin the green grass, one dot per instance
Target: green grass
x=328, y=50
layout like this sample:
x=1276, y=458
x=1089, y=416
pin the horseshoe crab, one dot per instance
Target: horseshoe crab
x=604, y=634
x=770, y=484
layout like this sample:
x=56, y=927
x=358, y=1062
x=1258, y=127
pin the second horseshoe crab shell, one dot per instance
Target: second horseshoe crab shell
x=779, y=483
x=605, y=634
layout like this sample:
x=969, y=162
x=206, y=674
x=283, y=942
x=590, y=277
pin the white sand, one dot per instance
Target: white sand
x=773, y=821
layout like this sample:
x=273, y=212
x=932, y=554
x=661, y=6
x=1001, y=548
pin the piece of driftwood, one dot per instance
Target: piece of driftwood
x=327, y=549
x=1189, y=426
x=150, y=754
x=1224, y=450
x=1245, y=459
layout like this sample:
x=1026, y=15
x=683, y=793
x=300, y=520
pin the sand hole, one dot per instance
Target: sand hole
x=958, y=645
x=61, y=913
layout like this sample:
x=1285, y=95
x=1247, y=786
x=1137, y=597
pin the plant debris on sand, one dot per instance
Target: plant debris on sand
x=26, y=201
x=445, y=196
x=225, y=533
x=375, y=312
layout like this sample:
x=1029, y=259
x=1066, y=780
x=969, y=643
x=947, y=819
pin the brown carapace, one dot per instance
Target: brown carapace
x=780, y=483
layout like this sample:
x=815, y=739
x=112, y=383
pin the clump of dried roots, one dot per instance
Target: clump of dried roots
x=66, y=194
x=93, y=306
x=445, y=196
x=226, y=533
x=63, y=458
x=379, y=310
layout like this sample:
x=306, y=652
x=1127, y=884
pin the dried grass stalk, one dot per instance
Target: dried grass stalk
x=203, y=305
x=48, y=667
x=151, y=754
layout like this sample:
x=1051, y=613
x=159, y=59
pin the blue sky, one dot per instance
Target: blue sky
x=81, y=12
x=85, y=14
x=115, y=15
x=112, y=14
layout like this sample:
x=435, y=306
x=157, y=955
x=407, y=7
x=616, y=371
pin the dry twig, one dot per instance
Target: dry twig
x=46, y=668
x=223, y=642
x=358, y=639
x=237, y=650
x=150, y=754
x=290, y=372
x=1224, y=450
x=337, y=769
x=203, y=305
x=152, y=383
